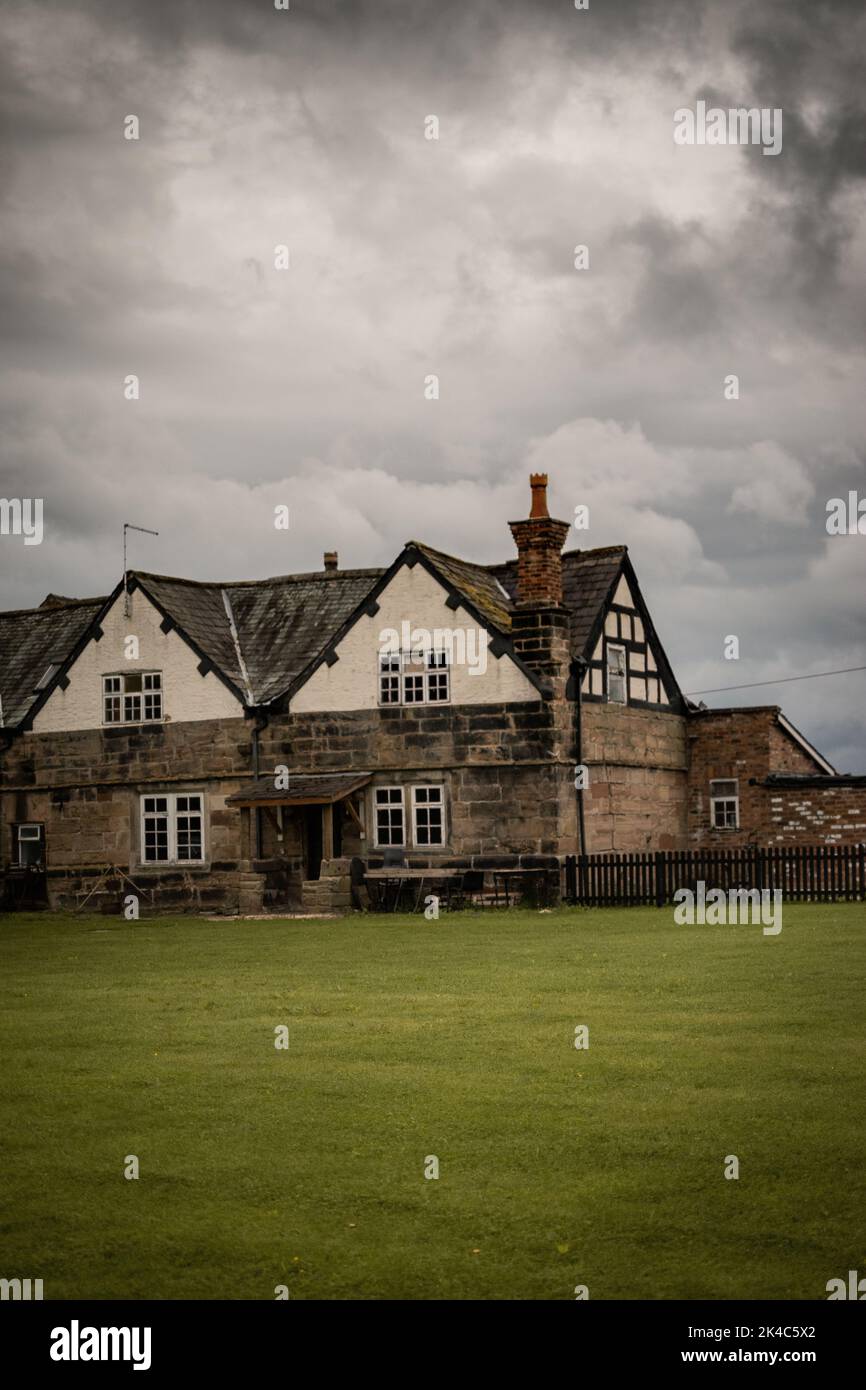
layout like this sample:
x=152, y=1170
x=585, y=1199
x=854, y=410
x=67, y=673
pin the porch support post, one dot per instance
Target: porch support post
x=246, y=833
x=328, y=832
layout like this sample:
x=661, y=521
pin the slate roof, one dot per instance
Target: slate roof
x=262, y=635
x=285, y=624
x=281, y=624
x=475, y=582
x=33, y=639
x=303, y=790
x=587, y=578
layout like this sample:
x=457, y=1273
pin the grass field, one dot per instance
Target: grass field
x=454, y=1038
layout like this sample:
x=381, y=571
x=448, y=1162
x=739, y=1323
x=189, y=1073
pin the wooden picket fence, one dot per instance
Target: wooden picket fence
x=807, y=873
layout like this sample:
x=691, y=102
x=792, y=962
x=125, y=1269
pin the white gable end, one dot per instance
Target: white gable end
x=413, y=597
x=186, y=695
x=623, y=667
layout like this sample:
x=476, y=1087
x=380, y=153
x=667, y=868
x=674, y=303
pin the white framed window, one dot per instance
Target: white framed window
x=437, y=677
x=133, y=698
x=29, y=839
x=390, y=817
x=389, y=679
x=414, y=678
x=616, y=674
x=428, y=815
x=724, y=805
x=172, y=828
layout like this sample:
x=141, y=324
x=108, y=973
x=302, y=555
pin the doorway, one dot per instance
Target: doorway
x=312, y=841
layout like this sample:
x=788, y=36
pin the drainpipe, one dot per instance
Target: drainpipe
x=578, y=667
x=7, y=738
x=259, y=725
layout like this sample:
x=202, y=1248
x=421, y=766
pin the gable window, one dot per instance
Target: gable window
x=427, y=815
x=389, y=679
x=616, y=674
x=135, y=698
x=414, y=678
x=390, y=822
x=28, y=842
x=724, y=805
x=172, y=828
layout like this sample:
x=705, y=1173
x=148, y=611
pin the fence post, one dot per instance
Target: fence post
x=570, y=879
x=661, y=895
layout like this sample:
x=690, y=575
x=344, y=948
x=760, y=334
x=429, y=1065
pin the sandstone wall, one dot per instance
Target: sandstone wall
x=637, y=794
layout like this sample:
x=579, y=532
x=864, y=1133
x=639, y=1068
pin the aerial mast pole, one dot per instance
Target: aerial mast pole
x=128, y=526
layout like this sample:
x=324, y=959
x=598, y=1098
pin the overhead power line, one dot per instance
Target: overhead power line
x=783, y=680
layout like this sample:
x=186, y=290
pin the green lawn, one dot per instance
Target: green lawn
x=454, y=1038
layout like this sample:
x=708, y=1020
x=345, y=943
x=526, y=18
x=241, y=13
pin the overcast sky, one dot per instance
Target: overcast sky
x=409, y=257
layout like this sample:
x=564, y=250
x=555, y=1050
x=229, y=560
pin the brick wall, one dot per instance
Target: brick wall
x=539, y=542
x=812, y=814
x=749, y=745
x=728, y=744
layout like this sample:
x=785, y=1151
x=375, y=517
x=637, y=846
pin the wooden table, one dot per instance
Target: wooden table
x=398, y=876
x=503, y=875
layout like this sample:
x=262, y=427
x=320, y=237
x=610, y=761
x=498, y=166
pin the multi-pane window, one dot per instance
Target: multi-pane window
x=413, y=688
x=135, y=698
x=428, y=824
x=414, y=678
x=390, y=824
x=616, y=674
x=154, y=829
x=389, y=679
x=437, y=676
x=188, y=827
x=724, y=805
x=112, y=688
x=172, y=829
x=428, y=815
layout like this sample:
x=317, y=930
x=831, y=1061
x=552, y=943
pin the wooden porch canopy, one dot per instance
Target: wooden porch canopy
x=303, y=790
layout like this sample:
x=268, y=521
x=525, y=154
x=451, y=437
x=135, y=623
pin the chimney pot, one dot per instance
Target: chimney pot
x=331, y=561
x=538, y=483
x=539, y=542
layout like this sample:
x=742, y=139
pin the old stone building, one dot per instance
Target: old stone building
x=221, y=746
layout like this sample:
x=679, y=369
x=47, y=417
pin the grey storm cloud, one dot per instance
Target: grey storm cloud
x=454, y=257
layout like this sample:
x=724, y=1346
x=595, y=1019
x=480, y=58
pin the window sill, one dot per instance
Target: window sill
x=171, y=866
x=134, y=724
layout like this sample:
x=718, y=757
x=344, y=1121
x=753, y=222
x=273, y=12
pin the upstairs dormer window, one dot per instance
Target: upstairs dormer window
x=133, y=698
x=414, y=678
x=616, y=675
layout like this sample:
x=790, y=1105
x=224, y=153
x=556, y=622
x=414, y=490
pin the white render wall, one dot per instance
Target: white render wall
x=413, y=595
x=186, y=694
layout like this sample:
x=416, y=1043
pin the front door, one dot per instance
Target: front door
x=27, y=885
x=312, y=841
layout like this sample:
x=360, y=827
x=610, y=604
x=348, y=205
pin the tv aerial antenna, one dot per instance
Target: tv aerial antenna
x=129, y=526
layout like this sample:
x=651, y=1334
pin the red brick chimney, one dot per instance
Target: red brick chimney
x=539, y=620
x=539, y=542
